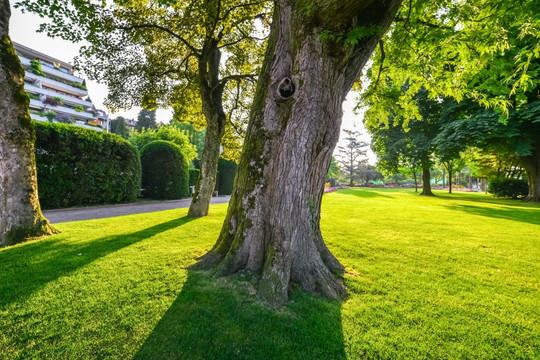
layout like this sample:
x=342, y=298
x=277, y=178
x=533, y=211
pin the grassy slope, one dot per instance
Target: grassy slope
x=447, y=277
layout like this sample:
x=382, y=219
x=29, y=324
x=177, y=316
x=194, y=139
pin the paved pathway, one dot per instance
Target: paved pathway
x=99, y=212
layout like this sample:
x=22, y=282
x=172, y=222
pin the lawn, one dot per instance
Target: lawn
x=454, y=276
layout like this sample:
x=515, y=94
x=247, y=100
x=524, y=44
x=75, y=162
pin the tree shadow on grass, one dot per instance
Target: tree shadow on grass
x=26, y=269
x=364, y=193
x=220, y=319
x=531, y=215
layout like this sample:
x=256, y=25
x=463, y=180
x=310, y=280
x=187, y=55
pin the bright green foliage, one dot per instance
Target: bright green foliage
x=483, y=50
x=196, y=137
x=35, y=67
x=165, y=172
x=227, y=171
x=167, y=133
x=513, y=188
x=435, y=287
x=81, y=167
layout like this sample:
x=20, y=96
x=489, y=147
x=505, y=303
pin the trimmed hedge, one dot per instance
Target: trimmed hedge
x=81, y=167
x=227, y=172
x=165, y=172
x=193, y=176
x=513, y=188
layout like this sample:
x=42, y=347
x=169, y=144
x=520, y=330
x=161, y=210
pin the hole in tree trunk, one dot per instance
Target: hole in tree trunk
x=286, y=88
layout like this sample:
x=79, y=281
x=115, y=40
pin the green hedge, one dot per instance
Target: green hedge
x=193, y=176
x=80, y=167
x=164, y=171
x=513, y=188
x=227, y=172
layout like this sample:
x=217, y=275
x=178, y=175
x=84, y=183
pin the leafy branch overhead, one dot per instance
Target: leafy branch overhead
x=486, y=51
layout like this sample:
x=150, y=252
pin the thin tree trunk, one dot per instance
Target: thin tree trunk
x=532, y=167
x=450, y=179
x=444, y=178
x=211, y=89
x=426, y=183
x=20, y=212
x=272, y=224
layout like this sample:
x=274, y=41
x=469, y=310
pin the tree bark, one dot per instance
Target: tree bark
x=211, y=89
x=415, y=181
x=531, y=164
x=272, y=224
x=426, y=182
x=20, y=212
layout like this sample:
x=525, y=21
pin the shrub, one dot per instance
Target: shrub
x=167, y=133
x=164, y=171
x=80, y=167
x=193, y=176
x=227, y=171
x=513, y=188
x=78, y=108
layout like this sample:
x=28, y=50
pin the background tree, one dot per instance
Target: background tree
x=163, y=53
x=315, y=53
x=402, y=142
x=119, y=127
x=367, y=173
x=476, y=51
x=352, y=154
x=146, y=119
x=20, y=212
x=333, y=172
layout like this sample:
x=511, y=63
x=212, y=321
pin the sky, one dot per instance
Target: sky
x=23, y=29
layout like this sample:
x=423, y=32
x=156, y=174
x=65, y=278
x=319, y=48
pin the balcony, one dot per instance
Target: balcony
x=60, y=86
x=62, y=110
x=67, y=99
x=52, y=71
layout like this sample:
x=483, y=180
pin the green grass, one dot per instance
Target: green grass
x=450, y=277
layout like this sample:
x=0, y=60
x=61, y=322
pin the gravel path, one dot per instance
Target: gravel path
x=99, y=212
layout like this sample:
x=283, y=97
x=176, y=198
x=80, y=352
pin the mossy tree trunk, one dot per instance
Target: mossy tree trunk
x=211, y=89
x=20, y=213
x=531, y=164
x=426, y=182
x=272, y=224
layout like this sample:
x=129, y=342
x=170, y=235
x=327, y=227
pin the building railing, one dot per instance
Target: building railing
x=63, y=110
x=52, y=71
x=56, y=84
x=67, y=99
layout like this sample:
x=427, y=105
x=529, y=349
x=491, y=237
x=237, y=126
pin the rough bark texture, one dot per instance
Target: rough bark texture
x=20, y=213
x=211, y=89
x=272, y=224
x=426, y=182
x=532, y=167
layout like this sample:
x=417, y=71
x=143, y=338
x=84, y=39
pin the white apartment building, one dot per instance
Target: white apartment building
x=56, y=94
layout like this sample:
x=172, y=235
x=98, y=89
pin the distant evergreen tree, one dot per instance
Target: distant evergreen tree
x=146, y=120
x=119, y=126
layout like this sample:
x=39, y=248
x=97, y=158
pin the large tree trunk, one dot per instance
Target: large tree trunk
x=211, y=89
x=426, y=182
x=531, y=164
x=272, y=225
x=20, y=213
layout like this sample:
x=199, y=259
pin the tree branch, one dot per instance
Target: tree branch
x=238, y=77
x=194, y=50
x=425, y=23
x=231, y=9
